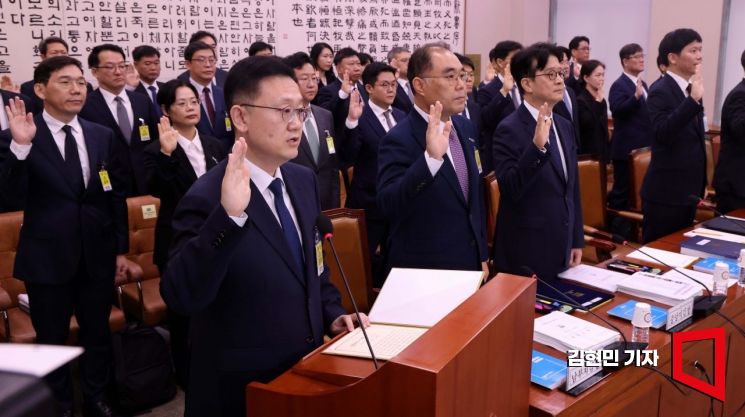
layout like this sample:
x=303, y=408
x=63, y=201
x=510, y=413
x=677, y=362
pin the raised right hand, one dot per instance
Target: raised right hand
x=235, y=192
x=346, y=83
x=542, y=127
x=167, y=135
x=437, y=141
x=639, y=88
x=697, y=84
x=508, y=83
x=21, y=123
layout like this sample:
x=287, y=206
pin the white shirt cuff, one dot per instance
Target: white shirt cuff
x=20, y=151
x=433, y=164
x=240, y=221
x=343, y=95
x=351, y=124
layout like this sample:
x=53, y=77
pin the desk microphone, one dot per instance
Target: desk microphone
x=326, y=229
x=619, y=347
x=702, y=203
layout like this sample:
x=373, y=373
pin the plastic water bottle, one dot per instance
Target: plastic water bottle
x=741, y=264
x=721, y=275
x=641, y=321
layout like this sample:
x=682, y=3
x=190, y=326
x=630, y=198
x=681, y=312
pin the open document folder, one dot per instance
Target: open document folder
x=410, y=302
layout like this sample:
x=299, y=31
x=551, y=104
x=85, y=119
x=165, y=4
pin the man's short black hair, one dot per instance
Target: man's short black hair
x=244, y=78
x=259, y=46
x=574, y=43
x=464, y=60
x=675, y=41
x=528, y=61
x=194, y=47
x=143, y=51
x=365, y=59
x=662, y=61
x=201, y=34
x=502, y=49
x=297, y=60
x=44, y=70
x=344, y=53
x=421, y=60
x=93, y=60
x=628, y=50
x=372, y=71
x=565, y=51
x=44, y=44
x=394, y=52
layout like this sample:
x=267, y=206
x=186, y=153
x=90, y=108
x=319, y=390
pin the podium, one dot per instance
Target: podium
x=474, y=362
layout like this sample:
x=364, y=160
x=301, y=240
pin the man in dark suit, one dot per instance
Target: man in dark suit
x=130, y=115
x=208, y=38
x=243, y=263
x=335, y=96
x=429, y=187
x=579, y=48
x=74, y=235
x=360, y=145
x=200, y=60
x=678, y=166
x=632, y=128
x=539, y=224
x=398, y=57
x=728, y=178
x=498, y=98
x=472, y=110
x=567, y=107
x=147, y=64
x=318, y=145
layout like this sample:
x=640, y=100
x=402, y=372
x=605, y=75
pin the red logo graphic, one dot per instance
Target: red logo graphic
x=716, y=390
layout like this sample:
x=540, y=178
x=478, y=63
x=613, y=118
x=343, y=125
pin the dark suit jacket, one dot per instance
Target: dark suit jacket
x=474, y=113
x=561, y=109
x=169, y=178
x=327, y=168
x=218, y=130
x=571, y=82
x=60, y=227
x=130, y=155
x=361, y=146
x=220, y=76
x=540, y=214
x=678, y=166
x=253, y=312
x=494, y=108
x=27, y=100
x=632, y=128
x=431, y=223
x=728, y=176
x=593, y=126
x=141, y=89
x=402, y=100
x=27, y=89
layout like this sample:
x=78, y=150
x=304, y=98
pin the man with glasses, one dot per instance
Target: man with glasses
x=244, y=261
x=428, y=183
x=579, y=47
x=130, y=115
x=335, y=96
x=472, y=111
x=632, y=128
x=200, y=61
x=398, y=58
x=319, y=143
x=210, y=39
x=539, y=224
x=74, y=237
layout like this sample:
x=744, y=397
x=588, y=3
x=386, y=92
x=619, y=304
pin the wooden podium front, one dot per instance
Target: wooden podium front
x=474, y=362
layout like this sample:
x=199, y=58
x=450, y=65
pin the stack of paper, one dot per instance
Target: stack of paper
x=564, y=332
x=702, y=231
x=662, y=256
x=595, y=277
x=705, y=278
x=670, y=289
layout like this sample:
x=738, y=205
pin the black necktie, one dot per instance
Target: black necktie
x=72, y=161
x=285, y=220
x=209, y=105
x=555, y=151
x=688, y=89
x=154, y=97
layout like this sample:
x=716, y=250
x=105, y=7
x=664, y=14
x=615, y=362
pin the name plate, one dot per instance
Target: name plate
x=579, y=374
x=679, y=313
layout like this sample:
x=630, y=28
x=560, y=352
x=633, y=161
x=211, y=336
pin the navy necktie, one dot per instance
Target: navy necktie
x=154, y=97
x=288, y=226
x=555, y=151
x=72, y=161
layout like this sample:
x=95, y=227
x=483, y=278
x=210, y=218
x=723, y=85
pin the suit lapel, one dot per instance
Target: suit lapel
x=323, y=148
x=95, y=160
x=183, y=161
x=473, y=172
x=301, y=196
x=210, y=155
x=447, y=170
x=305, y=148
x=368, y=117
x=44, y=142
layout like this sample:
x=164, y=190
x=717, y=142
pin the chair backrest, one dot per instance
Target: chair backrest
x=491, y=190
x=639, y=160
x=709, y=147
x=142, y=214
x=592, y=192
x=350, y=238
x=342, y=190
x=716, y=145
x=10, y=229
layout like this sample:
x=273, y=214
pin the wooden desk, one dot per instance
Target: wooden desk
x=639, y=392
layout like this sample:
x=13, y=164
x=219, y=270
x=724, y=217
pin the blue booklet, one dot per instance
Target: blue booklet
x=707, y=265
x=626, y=312
x=704, y=247
x=547, y=371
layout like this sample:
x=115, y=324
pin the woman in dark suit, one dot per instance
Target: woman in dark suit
x=172, y=164
x=322, y=57
x=593, y=111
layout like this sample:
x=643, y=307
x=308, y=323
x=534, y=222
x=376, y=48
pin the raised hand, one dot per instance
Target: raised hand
x=168, y=136
x=355, y=106
x=6, y=83
x=508, y=83
x=131, y=76
x=22, y=126
x=542, y=127
x=639, y=88
x=437, y=141
x=490, y=74
x=697, y=84
x=235, y=192
x=346, y=83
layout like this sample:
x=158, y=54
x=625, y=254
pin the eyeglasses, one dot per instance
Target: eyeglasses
x=552, y=74
x=288, y=113
x=204, y=60
x=451, y=78
x=636, y=56
x=122, y=66
x=386, y=85
x=186, y=103
x=69, y=82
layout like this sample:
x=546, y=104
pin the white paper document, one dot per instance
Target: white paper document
x=671, y=258
x=669, y=290
x=386, y=341
x=565, y=332
x=705, y=278
x=37, y=360
x=716, y=234
x=595, y=277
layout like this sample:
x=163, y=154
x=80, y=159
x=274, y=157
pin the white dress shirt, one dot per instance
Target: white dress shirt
x=147, y=89
x=3, y=117
x=55, y=126
x=378, y=111
x=110, y=99
x=200, y=91
x=195, y=152
x=433, y=164
x=534, y=112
